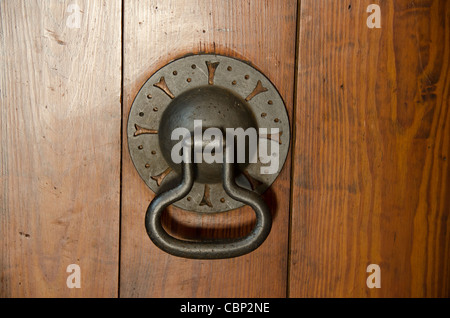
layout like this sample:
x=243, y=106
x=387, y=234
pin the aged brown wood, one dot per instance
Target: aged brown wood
x=60, y=147
x=156, y=32
x=371, y=179
x=372, y=138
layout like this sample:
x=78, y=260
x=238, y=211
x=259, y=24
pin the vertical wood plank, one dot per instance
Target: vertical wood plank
x=371, y=161
x=60, y=147
x=156, y=32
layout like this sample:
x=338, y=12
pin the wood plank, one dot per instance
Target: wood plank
x=60, y=147
x=156, y=32
x=371, y=178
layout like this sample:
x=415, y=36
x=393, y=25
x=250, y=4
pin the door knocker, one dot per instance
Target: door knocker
x=208, y=133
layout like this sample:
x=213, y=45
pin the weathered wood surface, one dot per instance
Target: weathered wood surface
x=60, y=147
x=371, y=181
x=156, y=32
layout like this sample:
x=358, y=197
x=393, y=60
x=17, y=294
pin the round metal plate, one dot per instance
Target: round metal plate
x=185, y=74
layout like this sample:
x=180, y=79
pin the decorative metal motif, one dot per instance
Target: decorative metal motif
x=181, y=76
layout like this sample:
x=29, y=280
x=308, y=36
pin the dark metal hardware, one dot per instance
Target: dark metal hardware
x=208, y=249
x=222, y=92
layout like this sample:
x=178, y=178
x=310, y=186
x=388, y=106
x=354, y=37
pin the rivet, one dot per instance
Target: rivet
x=247, y=77
x=189, y=80
x=147, y=165
x=140, y=147
x=141, y=114
x=222, y=200
x=276, y=120
x=153, y=152
x=155, y=109
x=229, y=68
x=175, y=73
x=234, y=82
x=149, y=96
x=194, y=66
x=263, y=115
x=270, y=102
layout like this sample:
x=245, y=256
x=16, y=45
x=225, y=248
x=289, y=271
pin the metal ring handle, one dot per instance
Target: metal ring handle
x=211, y=249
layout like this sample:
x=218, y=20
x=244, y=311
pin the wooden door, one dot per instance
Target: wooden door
x=371, y=175
x=156, y=32
x=60, y=147
x=366, y=180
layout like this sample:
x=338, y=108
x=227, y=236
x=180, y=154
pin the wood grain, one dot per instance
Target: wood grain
x=156, y=32
x=60, y=147
x=371, y=176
